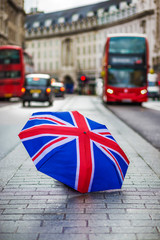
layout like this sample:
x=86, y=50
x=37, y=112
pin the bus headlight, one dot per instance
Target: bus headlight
x=144, y=91
x=109, y=90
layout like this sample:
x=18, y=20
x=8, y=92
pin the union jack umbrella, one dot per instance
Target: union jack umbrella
x=75, y=150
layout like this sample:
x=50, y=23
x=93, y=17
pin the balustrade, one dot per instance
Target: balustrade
x=89, y=22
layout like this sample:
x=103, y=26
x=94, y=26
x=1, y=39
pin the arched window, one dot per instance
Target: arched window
x=61, y=20
x=123, y=5
x=100, y=12
x=112, y=8
x=75, y=17
x=90, y=14
x=48, y=23
x=134, y=2
x=36, y=24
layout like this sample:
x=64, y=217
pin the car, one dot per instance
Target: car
x=59, y=89
x=153, y=86
x=37, y=88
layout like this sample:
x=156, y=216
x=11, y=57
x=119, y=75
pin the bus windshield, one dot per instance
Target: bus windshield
x=129, y=78
x=9, y=56
x=127, y=45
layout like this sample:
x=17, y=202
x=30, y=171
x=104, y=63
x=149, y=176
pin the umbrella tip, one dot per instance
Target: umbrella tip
x=84, y=132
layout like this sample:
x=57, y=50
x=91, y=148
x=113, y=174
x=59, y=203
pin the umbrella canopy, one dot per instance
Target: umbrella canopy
x=75, y=150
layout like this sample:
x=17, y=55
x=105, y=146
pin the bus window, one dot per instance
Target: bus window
x=10, y=74
x=127, y=45
x=9, y=56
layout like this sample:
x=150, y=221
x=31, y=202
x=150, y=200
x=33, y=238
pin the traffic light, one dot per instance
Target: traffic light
x=83, y=78
x=82, y=83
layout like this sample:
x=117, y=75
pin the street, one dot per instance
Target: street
x=35, y=206
x=143, y=120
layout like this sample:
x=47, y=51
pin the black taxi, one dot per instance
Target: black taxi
x=37, y=88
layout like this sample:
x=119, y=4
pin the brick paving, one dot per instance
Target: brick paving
x=36, y=207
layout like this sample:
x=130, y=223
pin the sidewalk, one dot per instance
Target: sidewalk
x=33, y=206
x=152, y=105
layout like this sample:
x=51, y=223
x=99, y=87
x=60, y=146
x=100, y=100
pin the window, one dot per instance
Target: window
x=123, y=5
x=40, y=82
x=127, y=45
x=126, y=77
x=94, y=63
x=78, y=51
x=134, y=1
x=112, y=8
x=45, y=66
x=36, y=24
x=89, y=63
x=9, y=56
x=50, y=66
x=56, y=53
x=48, y=22
x=100, y=12
x=39, y=66
x=61, y=20
x=75, y=17
x=100, y=61
x=90, y=14
x=56, y=65
x=78, y=63
x=89, y=49
x=10, y=74
x=84, y=50
x=94, y=48
x=143, y=25
x=84, y=63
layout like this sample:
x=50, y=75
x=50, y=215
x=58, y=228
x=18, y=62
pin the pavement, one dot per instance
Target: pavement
x=155, y=105
x=33, y=206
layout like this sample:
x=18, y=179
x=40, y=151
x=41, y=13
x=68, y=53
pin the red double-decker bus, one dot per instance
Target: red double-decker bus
x=125, y=68
x=14, y=64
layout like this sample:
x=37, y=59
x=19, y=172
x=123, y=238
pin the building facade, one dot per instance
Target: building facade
x=12, y=18
x=68, y=44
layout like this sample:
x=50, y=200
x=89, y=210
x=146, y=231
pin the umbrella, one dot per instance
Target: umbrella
x=75, y=150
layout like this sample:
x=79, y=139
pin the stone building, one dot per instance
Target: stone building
x=12, y=18
x=70, y=43
x=156, y=35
